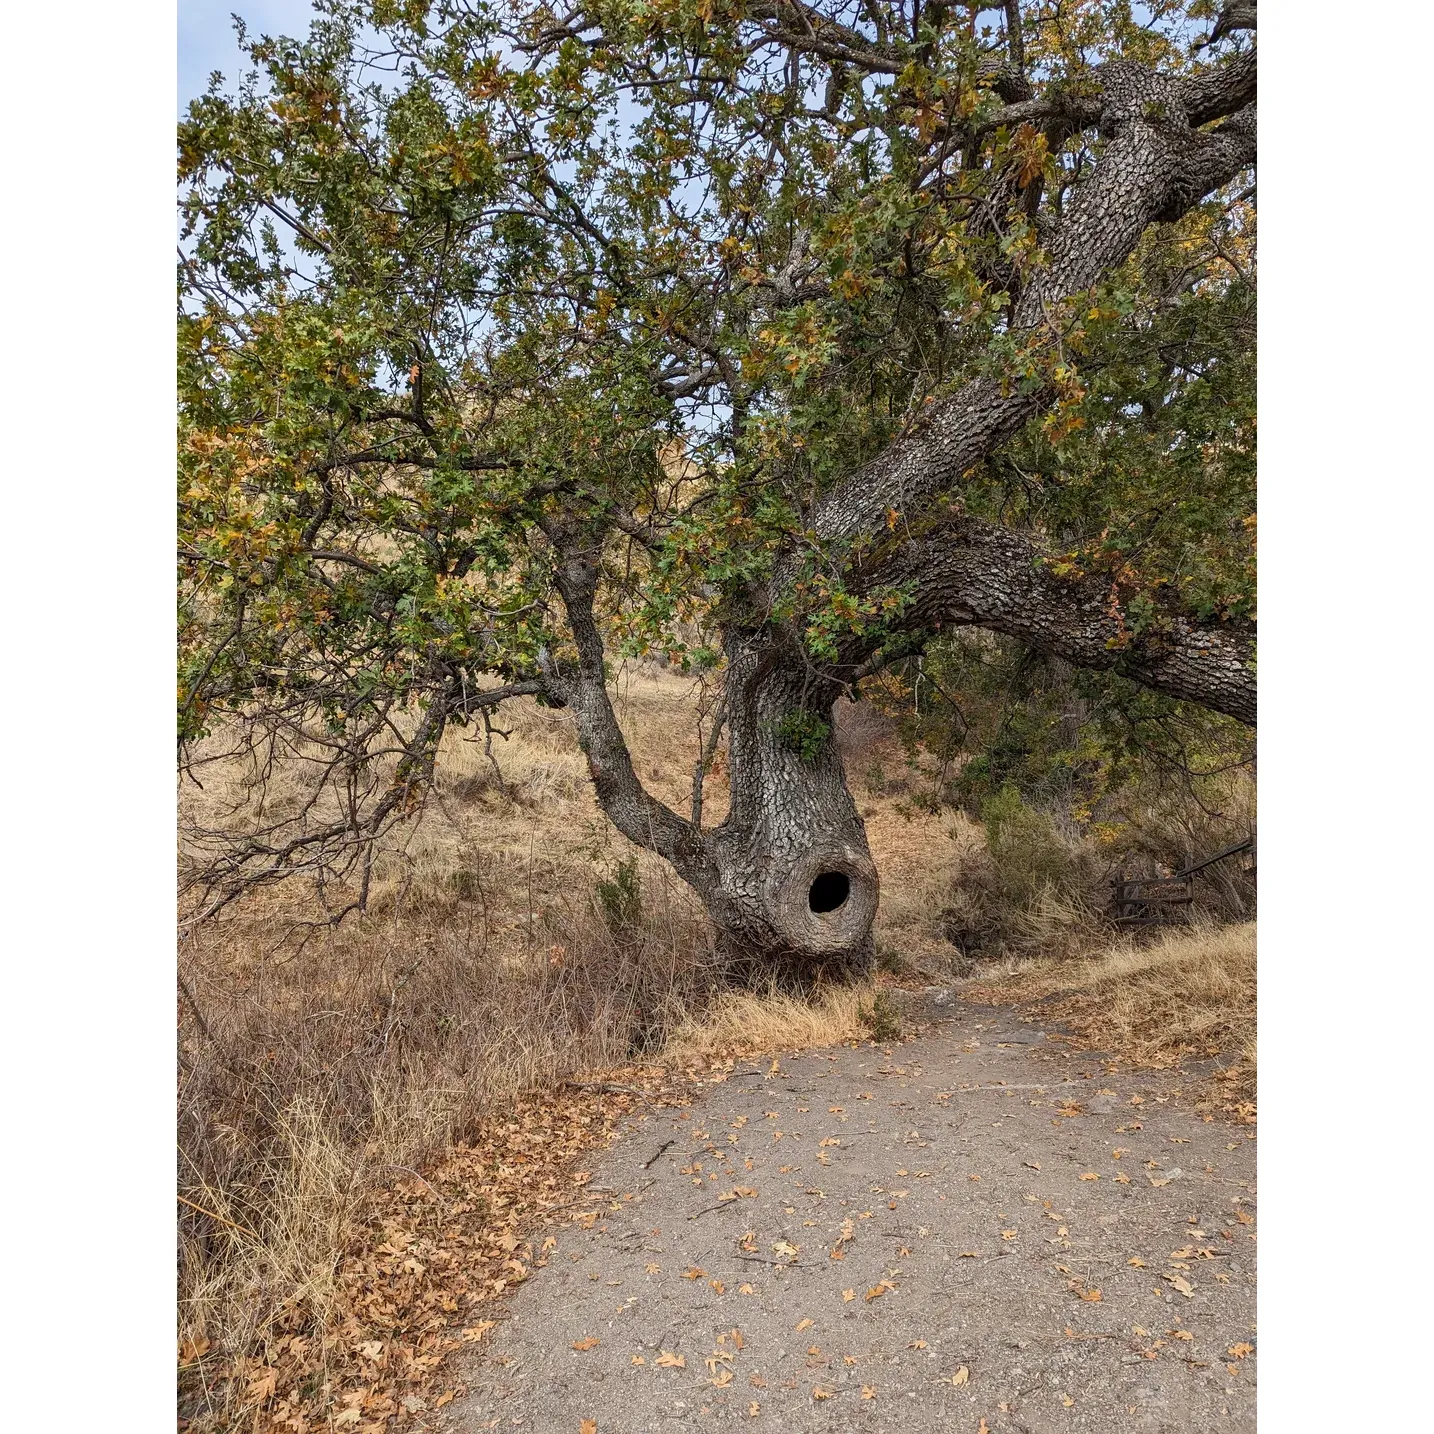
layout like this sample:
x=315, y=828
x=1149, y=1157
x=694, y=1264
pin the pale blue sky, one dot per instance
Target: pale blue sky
x=206, y=36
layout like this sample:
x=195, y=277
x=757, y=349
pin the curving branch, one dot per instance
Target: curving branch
x=971, y=573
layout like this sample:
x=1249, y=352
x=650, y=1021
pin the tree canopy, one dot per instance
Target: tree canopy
x=776, y=335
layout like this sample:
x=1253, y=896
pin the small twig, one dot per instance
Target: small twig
x=661, y=1150
x=243, y=1229
x=762, y=1260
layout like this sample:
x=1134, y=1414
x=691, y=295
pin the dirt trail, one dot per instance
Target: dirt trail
x=865, y=1264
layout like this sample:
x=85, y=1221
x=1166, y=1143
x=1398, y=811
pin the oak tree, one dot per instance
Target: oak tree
x=776, y=335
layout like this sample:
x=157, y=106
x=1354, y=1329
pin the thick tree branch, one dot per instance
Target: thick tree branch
x=638, y=815
x=973, y=573
x=1150, y=172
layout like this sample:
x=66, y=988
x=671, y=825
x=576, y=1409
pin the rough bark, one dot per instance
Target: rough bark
x=1152, y=170
x=972, y=573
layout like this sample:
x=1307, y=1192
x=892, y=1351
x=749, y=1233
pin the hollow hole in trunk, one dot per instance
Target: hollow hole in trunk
x=829, y=891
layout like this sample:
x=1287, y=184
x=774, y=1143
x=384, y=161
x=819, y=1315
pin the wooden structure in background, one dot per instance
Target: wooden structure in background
x=1165, y=900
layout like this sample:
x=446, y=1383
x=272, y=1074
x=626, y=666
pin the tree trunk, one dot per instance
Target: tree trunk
x=787, y=878
x=797, y=887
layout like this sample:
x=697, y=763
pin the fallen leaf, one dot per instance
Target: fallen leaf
x=723, y=1380
x=876, y=1291
x=1239, y=1351
x=745, y=1290
x=868, y=1391
x=693, y=1273
x=754, y=1409
x=1090, y=1175
x=668, y=1360
x=1181, y=1284
x=588, y=1426
x=848, y=1296
x=917, y=1344
x=1136, y=1261
x=638, y=1359
x=1008, y=1234
x=718, y=1286
x=1067, y=1401
x=981, y=1428
x=785, y=1249
x=591, y=1342
x=961, y=1375
x=804, y=1324
x=1031, y=1164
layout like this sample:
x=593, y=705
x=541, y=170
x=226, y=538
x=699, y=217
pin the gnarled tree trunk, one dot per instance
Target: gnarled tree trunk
x=797, y=885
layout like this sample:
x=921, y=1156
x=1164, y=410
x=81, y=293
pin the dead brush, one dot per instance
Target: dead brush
x=1187, y=992
x=313, y=1074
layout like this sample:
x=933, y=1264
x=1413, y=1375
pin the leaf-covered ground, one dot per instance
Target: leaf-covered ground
x=977, y=1230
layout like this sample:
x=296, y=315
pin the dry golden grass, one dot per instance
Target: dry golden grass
x=744, y=1023
x=1186, y=992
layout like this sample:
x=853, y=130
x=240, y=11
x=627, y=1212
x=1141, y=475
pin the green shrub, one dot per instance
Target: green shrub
x=621, y=899
x=1029, y=855
x=881, y=1018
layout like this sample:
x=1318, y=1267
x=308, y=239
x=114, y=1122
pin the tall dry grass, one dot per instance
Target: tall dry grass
x=1187, y=992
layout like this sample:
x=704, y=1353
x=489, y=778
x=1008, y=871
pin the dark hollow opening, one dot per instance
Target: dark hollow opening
x=829, y=891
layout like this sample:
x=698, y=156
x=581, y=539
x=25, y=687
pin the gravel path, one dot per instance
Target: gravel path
x=906, y=1238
